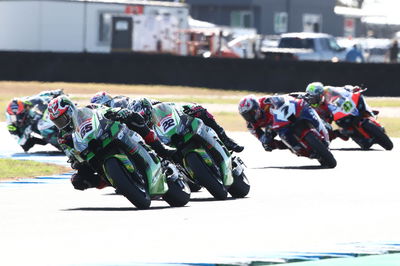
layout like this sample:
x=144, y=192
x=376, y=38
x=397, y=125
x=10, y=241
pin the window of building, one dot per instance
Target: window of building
x=280, y=22
x=105, y=20
x=312, y=23
x=242, y=19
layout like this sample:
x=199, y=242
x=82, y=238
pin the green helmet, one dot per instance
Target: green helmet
x=315, y=91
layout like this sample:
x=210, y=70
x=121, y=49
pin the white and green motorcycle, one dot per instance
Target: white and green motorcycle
x=120, y=155
x=203, y=154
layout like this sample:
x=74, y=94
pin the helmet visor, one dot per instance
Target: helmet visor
x=250, y=116
x=62, y=121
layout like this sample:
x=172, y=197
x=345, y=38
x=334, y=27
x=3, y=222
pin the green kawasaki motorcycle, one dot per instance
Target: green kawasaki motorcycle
x=203, y=154
x=120, y=155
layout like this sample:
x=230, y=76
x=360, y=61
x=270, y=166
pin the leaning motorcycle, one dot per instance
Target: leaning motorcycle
x=352, y=113
x=301, y=129
x=203, y=154
x=40, y=127
x=120, y=155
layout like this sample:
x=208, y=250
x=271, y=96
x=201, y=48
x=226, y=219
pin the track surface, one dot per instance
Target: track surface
x=293, y=207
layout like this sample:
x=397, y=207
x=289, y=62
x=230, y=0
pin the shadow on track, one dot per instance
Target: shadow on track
x=303, y=167
x=115, y=209
x=210, y=199
x=353, y=149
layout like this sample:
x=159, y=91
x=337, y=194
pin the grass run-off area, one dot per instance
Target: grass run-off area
x=221, y=103
x=10, y=168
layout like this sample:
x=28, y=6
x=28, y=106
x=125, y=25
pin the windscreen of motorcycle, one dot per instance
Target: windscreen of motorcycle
x=165, y=120
x=85, y=124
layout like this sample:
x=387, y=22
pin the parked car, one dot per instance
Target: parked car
x=306, y=46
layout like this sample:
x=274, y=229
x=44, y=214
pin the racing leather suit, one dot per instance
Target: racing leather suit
x=265, y=136
x=34, y=108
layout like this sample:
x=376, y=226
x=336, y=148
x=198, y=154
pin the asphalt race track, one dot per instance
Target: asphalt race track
x=294, y=212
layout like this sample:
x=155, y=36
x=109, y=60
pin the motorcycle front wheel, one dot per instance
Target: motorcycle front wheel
x=240, y=186
x=178, y=193
x=136, y=193
x=206, y=177
x=326, y=158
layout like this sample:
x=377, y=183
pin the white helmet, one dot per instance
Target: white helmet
x=249, y=109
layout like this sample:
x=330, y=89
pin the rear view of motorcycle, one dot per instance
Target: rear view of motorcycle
x=301, y=129
x=129, y=165
x=203, y=154
x=352, y=113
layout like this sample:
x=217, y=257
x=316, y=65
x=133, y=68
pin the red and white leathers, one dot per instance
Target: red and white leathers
x=261, y=127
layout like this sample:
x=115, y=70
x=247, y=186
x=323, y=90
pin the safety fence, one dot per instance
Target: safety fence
x=223, y=73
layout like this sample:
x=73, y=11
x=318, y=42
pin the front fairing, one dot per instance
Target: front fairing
x=86, y=128
x=343, y=105
x=286, y=113
x=167, y=122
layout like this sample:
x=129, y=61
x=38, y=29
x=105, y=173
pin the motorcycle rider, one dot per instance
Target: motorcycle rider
x=256, y=113
x=61, y=110
x=320, y=97
x=23, y=115
x=144, y=106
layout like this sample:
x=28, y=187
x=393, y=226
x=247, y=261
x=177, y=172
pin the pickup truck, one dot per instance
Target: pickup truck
x=306, y=46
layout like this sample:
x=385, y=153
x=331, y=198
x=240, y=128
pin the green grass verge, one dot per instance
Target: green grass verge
x=392, y=126
x=10, y=168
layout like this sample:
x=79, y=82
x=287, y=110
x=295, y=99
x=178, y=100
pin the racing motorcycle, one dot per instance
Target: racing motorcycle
x=301, y=129
x=208, y=162
x=39, y=127
x=352, y=113
x=121, y=156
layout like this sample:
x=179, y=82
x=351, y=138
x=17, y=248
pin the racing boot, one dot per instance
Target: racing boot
x=32, y=142
x=164, y=151
x=229, y=143
x=341, y=133
x=209, y=121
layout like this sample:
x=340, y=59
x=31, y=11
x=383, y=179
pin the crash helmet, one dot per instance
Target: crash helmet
x=249, y=109
x=60, y=110
x=17, y=111
x=142, y=106
x=315, y=91
x=103, y=98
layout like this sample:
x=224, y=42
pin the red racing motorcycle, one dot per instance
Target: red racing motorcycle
x=357, y=120
x=301, y=129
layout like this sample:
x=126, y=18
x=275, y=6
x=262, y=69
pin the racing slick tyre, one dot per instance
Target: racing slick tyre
x=378, y=134
x=178, y=193
x=240, y=186
x=127, y=184
x=326, y=158
x=206, y=177
x=194, y=187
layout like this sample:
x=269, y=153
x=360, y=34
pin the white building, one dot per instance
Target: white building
x=93, y=26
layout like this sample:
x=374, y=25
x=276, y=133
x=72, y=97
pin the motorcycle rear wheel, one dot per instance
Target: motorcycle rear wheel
x=123, y=182
x=206, y=177
x=378, y=134
x=326, y=157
